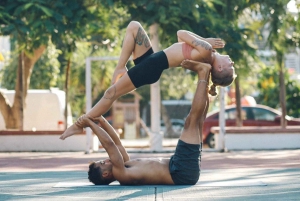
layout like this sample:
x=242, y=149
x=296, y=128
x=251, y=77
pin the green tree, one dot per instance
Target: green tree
x=44, y=76
x=283, y=36
x=32, y=23
x=269, y=91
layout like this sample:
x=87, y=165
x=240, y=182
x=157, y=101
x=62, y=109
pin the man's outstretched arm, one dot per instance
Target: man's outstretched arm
x=106, y=141
x=114, y=136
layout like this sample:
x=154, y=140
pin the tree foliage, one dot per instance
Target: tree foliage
x=45, y=72
x=282, y=28
x=79, y=29
x=269, y=91
x=32, y=23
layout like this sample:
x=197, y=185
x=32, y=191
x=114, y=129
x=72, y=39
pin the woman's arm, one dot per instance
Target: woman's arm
x=214, y=42
x=203, y=47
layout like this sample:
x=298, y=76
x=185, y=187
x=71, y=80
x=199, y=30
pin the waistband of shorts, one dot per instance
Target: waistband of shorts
x=180, y=142
x=141, y=58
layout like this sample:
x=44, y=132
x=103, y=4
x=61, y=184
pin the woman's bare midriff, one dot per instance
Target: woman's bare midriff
x=175, y=55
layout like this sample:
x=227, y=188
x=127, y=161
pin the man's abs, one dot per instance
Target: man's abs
x=148, y=172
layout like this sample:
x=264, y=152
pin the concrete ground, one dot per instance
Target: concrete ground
x=236, y=175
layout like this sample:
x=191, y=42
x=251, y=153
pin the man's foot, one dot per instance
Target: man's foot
x=74, y=129
x=215, y=42
x=195, y=65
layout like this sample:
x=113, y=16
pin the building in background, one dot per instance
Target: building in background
x=4, y=51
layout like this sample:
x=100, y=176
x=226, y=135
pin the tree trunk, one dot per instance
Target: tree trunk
x=12, y=118
x=239, y=121
x=67, y=91
x=282, y=95
x=7, y=112
x=20, y=95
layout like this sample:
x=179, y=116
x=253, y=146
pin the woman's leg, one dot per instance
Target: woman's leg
x=120, y=88
x=136, y=43
x=123, y=86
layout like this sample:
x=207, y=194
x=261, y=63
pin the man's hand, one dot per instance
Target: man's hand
x=118, y=74
x=83, y=121
x=99, y=120
x=195, y=66
x=215, y=42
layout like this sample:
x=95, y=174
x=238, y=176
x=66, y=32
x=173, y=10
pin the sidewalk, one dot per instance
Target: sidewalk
x=240, y=175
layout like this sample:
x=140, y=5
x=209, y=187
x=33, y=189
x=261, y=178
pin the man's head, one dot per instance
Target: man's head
x=222, y=72
x=100, y=172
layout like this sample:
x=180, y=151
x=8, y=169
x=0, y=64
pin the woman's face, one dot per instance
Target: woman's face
x=223, y=63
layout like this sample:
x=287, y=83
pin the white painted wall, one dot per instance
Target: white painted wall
x=265, y=141
x=15, y=143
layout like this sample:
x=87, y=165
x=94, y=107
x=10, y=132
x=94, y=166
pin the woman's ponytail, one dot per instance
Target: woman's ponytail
x=213, y=90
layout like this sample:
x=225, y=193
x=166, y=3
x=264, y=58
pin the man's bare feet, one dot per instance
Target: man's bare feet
x=195, y=65
x=215, y=42
x=74, y=129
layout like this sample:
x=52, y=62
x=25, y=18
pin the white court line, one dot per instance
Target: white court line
x=236, y=183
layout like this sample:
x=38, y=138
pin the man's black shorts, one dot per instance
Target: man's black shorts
x=185, y=163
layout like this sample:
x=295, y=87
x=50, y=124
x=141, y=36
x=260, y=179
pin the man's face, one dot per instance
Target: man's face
x=104, y=164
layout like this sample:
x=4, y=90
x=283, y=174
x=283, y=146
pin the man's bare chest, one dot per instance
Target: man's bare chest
x=144, y=162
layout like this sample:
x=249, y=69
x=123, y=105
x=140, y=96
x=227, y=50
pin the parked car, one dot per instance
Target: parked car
x=177, y=125
x=258, y=115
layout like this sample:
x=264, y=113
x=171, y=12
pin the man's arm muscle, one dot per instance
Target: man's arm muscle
x=108, y=144
x=113, y=134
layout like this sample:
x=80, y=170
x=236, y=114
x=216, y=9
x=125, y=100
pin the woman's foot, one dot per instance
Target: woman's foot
x=74, y=129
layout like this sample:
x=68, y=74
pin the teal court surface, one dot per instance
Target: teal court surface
x=236, y=175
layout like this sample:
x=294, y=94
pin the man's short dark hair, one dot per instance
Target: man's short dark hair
x=95, y=175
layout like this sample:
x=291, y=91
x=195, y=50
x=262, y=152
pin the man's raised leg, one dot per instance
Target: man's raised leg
x=191, y=133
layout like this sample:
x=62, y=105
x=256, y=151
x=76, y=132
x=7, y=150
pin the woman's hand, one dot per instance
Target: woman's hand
x=118, y=74
x=215, y=42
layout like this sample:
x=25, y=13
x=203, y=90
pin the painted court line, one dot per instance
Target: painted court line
x=239, y=183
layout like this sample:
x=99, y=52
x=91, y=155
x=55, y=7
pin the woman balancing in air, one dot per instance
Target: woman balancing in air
x=149, y=66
